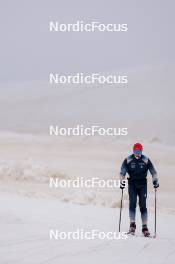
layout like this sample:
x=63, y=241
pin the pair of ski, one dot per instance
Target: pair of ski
x=136, y=235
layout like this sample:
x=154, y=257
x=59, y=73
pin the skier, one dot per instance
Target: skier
x=137, y=166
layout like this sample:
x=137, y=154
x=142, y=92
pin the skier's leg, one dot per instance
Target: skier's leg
x=132, y=202
x=142, y=193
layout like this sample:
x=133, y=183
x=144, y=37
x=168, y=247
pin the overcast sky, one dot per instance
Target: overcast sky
x=30, y=52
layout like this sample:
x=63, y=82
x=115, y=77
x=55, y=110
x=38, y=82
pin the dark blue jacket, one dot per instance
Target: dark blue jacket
x=137, y=169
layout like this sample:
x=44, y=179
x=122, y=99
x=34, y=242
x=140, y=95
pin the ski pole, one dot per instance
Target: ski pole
x=120, y=210
x=155, y=210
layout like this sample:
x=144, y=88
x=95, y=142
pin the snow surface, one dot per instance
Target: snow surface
x=25, y=225
x=29, y=209
x=28, y=157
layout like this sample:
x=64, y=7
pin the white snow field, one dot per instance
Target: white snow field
x=26, y=222
x=29, y=209
x=29, y=157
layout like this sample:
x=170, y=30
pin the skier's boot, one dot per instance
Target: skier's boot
x=132, y=228
x=145, y=231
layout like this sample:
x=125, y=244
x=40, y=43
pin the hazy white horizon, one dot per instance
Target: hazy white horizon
x=145, y=106
x=30, y=52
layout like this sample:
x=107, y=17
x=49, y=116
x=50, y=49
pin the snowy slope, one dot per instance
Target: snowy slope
x=27, y=163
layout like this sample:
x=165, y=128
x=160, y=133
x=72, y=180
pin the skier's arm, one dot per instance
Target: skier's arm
x=123, y=170
x=153, y=173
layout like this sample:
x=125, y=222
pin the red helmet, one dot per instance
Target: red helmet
x=138, y=146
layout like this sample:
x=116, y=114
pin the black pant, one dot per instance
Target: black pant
x=140, y=190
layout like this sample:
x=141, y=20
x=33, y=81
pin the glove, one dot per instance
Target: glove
x=122, y=185
x=155, y=184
